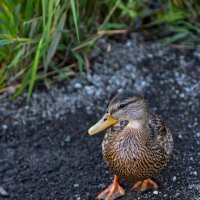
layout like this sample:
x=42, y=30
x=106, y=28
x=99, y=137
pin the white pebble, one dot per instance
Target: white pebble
x=150, y=55
x=76, y=185
x=4, y=126
x=174, y=178
x=155, y=192
x=67, y=138
x=195, y=173
x=3, y=192
x=77, y=85
x=198, y=134
x=128, y=44
x=191, y=158
x=180, y=136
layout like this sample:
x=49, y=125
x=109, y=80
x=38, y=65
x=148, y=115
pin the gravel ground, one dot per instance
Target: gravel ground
x=45, y=152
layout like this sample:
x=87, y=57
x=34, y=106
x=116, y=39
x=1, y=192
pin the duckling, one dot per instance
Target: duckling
x=137, y=145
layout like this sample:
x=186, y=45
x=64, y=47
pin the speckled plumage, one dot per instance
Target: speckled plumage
x=137, y=154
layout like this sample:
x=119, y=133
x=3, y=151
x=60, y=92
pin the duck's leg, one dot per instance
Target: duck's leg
x=136, y=185
x=113, y=191
x=145, y=184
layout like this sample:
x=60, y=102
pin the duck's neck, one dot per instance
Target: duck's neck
x=137, y=124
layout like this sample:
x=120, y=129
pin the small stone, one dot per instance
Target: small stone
x=180, y=136
x=155, y=192
x=177, y=194
x=57, y=116
x=197, y=53
x=102, y=185
x=3, y=192
x=198, y=134
x=67, y=138
x=109, y=47
x=89, y=90
x=129, y=67
x=76, y=185
x=77, y=85
x=5, y=127
x=195, y=173
x=128, y=44
x=174, y=178
x=11, y=90
x=44, y=115
x=150, y=55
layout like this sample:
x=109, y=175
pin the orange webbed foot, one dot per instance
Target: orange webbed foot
x=112, y=192
x=144, y=185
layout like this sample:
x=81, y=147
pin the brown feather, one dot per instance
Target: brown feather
x=137, y=153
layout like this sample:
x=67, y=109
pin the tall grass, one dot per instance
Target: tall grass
x=49, y=40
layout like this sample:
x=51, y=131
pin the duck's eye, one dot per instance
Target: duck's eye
x=122, y=105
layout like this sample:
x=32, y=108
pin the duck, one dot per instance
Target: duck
x=137, y=146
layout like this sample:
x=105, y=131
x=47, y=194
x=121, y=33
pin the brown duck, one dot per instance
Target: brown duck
x=137, y=145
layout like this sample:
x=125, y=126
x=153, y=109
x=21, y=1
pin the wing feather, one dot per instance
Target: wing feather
x=160, y=133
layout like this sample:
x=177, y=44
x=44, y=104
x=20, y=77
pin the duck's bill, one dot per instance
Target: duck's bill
x=105, y=122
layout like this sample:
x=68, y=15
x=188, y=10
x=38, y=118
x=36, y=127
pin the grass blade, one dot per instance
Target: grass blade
x=34, y=69
x=74, y=13
x=55, y=42
x=80, y=61
x=23, y=85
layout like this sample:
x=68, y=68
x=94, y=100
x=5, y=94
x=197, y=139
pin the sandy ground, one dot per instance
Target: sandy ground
x=45, y=152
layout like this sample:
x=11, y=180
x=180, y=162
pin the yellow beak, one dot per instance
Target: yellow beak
x=105, y=122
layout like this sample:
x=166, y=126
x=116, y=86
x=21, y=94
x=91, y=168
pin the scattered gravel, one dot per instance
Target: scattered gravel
x=45, y=152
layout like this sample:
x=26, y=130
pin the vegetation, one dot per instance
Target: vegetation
x=49, y=40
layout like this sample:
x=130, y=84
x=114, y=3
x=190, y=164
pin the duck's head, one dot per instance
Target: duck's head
x=125, y=106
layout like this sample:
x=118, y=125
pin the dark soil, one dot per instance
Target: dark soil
x=45, y=152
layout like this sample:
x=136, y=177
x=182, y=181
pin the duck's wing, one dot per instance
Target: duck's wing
x=160, y=133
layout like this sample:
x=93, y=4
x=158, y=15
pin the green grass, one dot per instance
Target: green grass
x=49, y=40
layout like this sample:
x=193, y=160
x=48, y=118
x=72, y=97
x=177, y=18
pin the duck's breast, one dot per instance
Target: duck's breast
x=130, y=156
